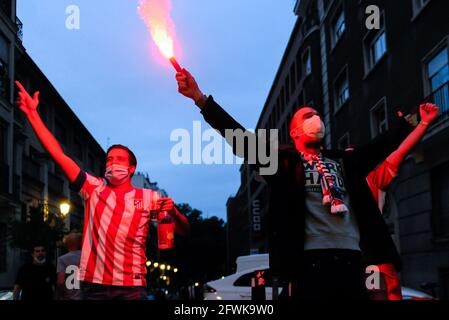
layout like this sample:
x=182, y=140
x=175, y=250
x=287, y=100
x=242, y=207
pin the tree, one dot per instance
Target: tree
x=201, y=256
x=37, y=230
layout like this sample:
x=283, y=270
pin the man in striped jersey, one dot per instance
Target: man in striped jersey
x=116, y=219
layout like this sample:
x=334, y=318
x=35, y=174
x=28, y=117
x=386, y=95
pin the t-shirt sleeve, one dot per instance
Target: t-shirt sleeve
x=381, y=177
x=61, y=266
x=85, y=184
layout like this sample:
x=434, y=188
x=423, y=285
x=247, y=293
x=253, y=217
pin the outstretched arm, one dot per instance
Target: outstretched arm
x=29, y=105
x=245, y=144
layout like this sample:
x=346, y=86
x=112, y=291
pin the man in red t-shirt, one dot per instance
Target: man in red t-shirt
x=379, y=180
x=117, y=216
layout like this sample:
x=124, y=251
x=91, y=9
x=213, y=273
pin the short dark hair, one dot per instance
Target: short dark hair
x=37, y=245
x=294, y=113
x=131, y=157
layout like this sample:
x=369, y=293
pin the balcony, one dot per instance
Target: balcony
x=19, y=29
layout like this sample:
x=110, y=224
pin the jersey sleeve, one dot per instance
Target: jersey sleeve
x=381, y=177
x=85, y=184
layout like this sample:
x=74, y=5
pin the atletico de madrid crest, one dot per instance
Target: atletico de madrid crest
x=138, y=204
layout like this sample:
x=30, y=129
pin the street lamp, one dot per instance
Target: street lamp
x=162, y=267
x=64, y=208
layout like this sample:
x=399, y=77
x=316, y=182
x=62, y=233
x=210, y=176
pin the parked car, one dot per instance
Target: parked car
x=6, y=295
x=237, y=286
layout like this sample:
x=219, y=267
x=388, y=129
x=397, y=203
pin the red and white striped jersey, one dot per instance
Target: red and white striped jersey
x=115, y=231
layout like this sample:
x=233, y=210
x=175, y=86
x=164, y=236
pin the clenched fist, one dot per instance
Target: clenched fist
x=428, y=112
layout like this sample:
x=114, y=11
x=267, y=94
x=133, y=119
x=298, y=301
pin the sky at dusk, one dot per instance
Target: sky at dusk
x=120, y=87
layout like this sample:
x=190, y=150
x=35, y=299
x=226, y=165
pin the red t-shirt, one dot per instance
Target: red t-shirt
x=115, y=231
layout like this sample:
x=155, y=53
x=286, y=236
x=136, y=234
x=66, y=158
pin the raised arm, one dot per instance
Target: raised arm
x=428, y=113
x=29, y=105
x=245, y=144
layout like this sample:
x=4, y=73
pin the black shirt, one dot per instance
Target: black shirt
x=36, y=281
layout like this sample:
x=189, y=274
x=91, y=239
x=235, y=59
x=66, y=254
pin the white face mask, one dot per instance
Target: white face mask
x=39, y=261
x=314, y=127
x=117, y=174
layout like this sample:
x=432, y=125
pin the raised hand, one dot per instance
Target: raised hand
x=428, y=112
x=187, y=85
x=25, y=102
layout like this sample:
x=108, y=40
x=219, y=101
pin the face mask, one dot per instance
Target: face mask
x=117, y=174
x=314, y=127
x=39, y=261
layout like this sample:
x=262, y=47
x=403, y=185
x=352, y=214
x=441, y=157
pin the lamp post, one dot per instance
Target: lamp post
x=64, y=208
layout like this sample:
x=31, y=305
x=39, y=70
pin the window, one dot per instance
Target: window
x=375, y=46
x=91, y=162
x=438, y=79
x=3, y=151
x=42, y=110
x=60, y=132
x=78, y=149
x=4, y=67
x=292, y=78
x=298, y=66
x=418, y=5
x=440, y=200
x=379, y=120
x=344, y=142
x=341, y=90
x=245, y=280
x=307, y=62
x=3, y=247
x=378, y=48
x=338, y=28
x=287, y=90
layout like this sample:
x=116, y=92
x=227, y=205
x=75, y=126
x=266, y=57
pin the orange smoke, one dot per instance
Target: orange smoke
x=156, y=15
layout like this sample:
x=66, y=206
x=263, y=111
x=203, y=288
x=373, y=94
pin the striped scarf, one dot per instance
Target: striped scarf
x=332, y=194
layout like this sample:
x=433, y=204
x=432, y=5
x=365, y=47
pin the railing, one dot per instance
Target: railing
x=441, y=98
x=5, y=90
x=19, y=32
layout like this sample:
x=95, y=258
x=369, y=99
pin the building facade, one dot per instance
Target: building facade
x=358, y=63
x=28, y=177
